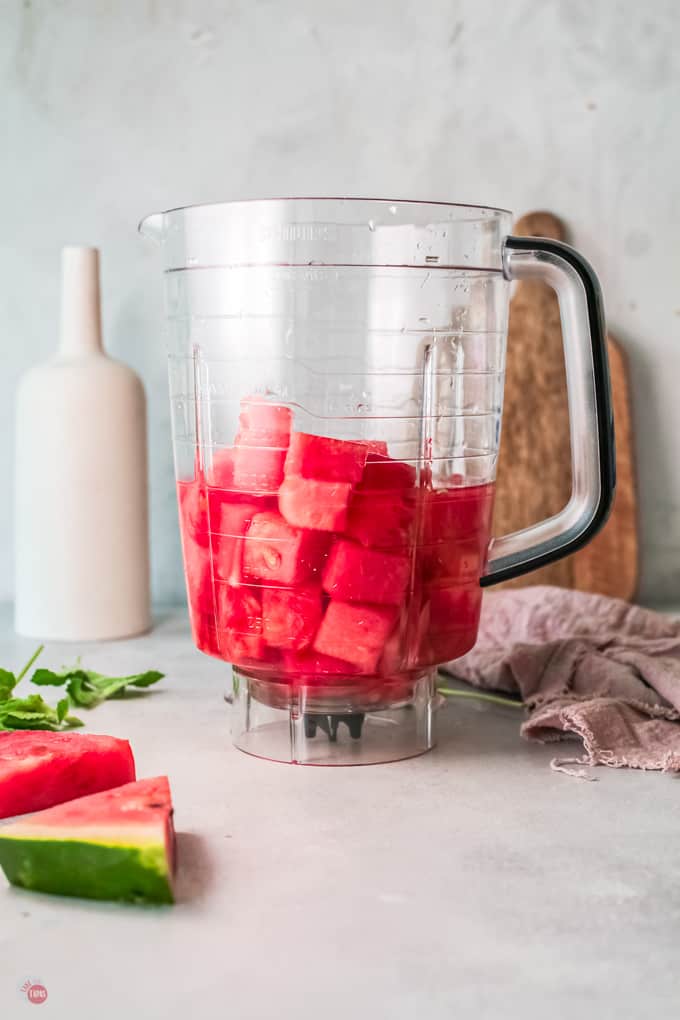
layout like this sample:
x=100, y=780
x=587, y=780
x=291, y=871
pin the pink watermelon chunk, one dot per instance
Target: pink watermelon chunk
x=457, y=561
x=240, y=612
x=327, y=460
x=455, y=513
x=290, y=618
x=261, y=416
x=116, y=845
x=382, y=472
x=261, y=445
x=257, y=468
x=221, y=474
x=356, y=633
x=383, y=520
x=276, y=551
x=193, y=511
x=229, y=527
x=40, y=768
x=307, y=503
x=354, y=573
x=199, y=581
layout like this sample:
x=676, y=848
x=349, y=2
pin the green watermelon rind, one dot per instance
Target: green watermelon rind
x=88, y=868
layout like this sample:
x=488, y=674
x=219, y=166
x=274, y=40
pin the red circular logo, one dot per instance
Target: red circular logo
x=36, y=994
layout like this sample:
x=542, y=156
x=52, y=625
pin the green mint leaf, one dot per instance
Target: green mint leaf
x=48, y=678
x=8, y=682
x=62, y=709
x=31, y=713
x=87, y=688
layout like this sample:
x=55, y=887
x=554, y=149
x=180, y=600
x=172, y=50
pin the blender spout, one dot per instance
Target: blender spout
x=153, y=227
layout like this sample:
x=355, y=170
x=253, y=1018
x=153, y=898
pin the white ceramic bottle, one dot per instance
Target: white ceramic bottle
x=81, y=522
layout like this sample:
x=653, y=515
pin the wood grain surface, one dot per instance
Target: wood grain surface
x=534, y=470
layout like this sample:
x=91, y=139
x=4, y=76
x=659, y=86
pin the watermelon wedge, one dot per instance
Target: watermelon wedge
x=116, y=845
x=39, y=768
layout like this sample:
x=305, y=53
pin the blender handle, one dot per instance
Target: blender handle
x=590, y=412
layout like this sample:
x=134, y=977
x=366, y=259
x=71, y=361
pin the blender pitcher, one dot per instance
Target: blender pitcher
x=336, y=384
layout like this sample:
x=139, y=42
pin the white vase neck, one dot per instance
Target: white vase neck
x=81, y=331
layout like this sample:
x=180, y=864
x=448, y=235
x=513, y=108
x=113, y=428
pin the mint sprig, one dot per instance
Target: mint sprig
x=84, y=688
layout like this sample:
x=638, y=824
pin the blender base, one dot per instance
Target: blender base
x=306, y=724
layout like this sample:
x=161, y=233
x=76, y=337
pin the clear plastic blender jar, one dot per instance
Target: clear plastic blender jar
x=336, y=384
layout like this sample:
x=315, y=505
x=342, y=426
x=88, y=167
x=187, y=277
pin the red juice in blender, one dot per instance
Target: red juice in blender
x=323, y=562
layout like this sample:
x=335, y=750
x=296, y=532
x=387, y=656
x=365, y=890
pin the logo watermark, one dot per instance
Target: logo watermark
x=33, y=991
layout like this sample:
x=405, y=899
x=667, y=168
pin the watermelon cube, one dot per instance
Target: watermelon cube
x=375, y=448
x=308, y=503
x=257, y=468
x=459, y=512
x=354, y=573
x=328, y=460
x=192, y=500
x=229, y=526
x=239, y=623
x=38, y=770
x=382, y=472
x=260, y=416
x=276, y=551
x=221, y=472
x=198, y=575
x=381, y=519
x=118, y=844
x=290, y=618
x=355, y=633
x=458, y=561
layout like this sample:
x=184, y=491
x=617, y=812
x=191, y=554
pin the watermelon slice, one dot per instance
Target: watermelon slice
x=290, y=618
x=327, y=460
x=117, y=845
x=356, y=574
x=307, y=503
x=356, y=633
x=40, y=768
x=275, y=551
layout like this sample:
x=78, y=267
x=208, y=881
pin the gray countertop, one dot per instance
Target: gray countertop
x=472, y=882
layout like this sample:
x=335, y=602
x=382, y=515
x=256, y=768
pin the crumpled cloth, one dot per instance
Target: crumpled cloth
x=585, y=666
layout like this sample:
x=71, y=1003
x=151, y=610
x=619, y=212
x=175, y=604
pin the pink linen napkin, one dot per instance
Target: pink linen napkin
x=585, y=666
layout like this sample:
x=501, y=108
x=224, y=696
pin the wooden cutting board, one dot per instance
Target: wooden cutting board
x=534, y=473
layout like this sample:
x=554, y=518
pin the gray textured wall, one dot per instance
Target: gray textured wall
x=113, y=109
